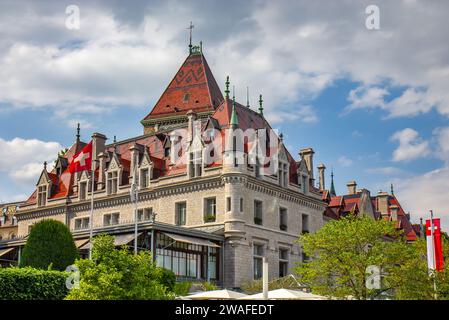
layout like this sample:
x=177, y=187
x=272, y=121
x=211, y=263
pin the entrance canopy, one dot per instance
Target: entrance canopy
x=5, y=251
x=192, y=240
x=119, y=240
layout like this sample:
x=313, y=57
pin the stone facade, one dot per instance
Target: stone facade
x=164, y=182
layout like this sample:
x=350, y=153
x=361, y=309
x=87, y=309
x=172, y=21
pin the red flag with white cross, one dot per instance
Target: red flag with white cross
x=435, y=258
x=82, y=160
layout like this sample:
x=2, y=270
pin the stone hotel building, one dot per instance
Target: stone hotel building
x=206, y=213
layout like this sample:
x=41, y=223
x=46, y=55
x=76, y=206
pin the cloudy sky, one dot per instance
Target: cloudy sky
x=374, y=104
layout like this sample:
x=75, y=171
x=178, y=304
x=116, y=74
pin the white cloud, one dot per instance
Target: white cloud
x=411, y=145
x=305, y=114
x=289, y=53
x=426, y=192
x=385, y=170
x=345, y=161
x=22, y=159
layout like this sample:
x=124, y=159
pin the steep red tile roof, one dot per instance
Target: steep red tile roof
x=195, y=79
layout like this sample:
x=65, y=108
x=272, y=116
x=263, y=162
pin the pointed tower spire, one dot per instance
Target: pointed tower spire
x=391, y=189
x=234, y=120
x=45, y=165
x=227, y=88
x=247, y=97
x=260, y=105
x=78, y=132
x=332, y=190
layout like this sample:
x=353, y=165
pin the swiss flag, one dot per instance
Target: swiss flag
x=83, y=160
x=435, y=258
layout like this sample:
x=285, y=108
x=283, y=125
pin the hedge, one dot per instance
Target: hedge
x=32, y=284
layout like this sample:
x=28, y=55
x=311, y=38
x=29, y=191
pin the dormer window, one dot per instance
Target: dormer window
x=186, y=97
x=83, y=190
x=112, y=182
x=283, y=174
x=195, y=164
x=144, y=178
x=41, y=196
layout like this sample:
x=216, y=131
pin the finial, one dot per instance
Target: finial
x=392, y=191
x=233, y=93
x=45, y=165
x=115, y=139
x=247, y=97
x=281, y=137
x=201, y=46
x=227, y=88
x=332, y=190
x=260, y=105
x=234, y=120
x=191, y=30
x=78, y=132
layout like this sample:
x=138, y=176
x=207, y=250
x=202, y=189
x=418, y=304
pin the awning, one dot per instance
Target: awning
x=79, y=243
x=191, y=240
x=5, y=251
x=119, y=240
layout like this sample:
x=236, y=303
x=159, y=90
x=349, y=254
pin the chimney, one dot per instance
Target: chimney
x=394, y=212
x=321, y=169
x=307, y=155
x=101, y=170
x=382, y=202
x=191, y=115
x=135, y=151
x=98, y=144
x=352, y=187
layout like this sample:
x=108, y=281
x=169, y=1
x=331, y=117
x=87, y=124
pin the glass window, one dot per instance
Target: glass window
x=112, y=184
x=42, y=196
x=283, y=219
x=241, y=204
x=83, y=190
x=258, y=260
x=210, y=210
x=305, y=223
x=283, y=262
x=258, y=215
x=228, y=204
x=180, y=215
x=145, y=178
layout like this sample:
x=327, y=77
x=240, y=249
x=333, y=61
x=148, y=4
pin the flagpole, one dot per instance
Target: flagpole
x=134, y=197
x=433, y=254
x=91, y=219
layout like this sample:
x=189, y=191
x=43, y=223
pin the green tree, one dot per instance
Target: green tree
x=414, y=281
x=118, y=274
x=49, y=245
x=342, y=251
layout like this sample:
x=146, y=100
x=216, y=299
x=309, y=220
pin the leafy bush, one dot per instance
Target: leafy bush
x=50, y=245
x=182, y=288
x=32, y=284
x=168, y=279
x=118, y=274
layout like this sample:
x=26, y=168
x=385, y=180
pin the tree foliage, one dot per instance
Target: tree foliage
x=118, y=274
x=342, y=251
x=49, y=245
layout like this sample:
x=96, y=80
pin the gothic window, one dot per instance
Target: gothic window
x=41, y=195
x=112, y=182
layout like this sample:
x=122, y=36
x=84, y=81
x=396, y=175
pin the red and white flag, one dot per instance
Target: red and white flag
x=435, y=260
x=82, y=160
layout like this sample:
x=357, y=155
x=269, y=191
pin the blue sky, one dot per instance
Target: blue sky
x=373, y=104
